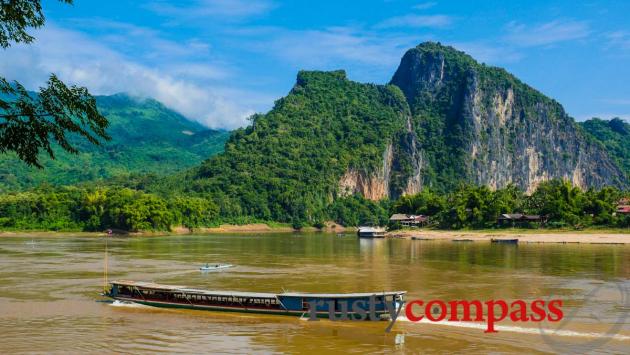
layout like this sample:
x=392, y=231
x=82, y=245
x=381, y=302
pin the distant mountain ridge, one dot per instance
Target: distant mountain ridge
x=147, y=137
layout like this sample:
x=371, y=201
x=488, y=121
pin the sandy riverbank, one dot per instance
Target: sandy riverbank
x=524, y=236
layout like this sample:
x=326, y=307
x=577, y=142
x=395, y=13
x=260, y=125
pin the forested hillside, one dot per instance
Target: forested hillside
x=286, y=166
x=445, y=120
x=146, y=136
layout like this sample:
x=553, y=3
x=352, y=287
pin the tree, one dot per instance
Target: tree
x=30, y=123
x=426, y=202
x=193, y=211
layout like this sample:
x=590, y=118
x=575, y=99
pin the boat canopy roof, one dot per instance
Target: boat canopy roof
x=371, y=229
x=341, y=295
x=174, y=288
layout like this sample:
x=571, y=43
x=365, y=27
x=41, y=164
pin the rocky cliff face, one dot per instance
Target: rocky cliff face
x=481, y=125
x=399, y=174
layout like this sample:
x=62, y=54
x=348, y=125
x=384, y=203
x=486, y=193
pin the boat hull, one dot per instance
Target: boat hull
x=222, y=267
x=370, y=232
x=504, y=241
x=371, y=235
x=380, y=315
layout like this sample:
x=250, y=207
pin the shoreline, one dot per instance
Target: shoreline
x=523, y=236
x=252, y=228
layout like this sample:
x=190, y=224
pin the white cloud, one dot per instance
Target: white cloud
x=619, y=40
x=79, y=60
x=417, y=21
x=616, y=101
x=425, y=5
x=196, y=71
x=331, y=48
x=547, y=33
x=137, y=41
x=218, y=9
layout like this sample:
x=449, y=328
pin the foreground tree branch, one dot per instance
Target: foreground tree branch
x=32, y=122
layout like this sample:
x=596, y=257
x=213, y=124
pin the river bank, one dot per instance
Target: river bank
x=252, y=228
x=608, y=236
x=523, y=236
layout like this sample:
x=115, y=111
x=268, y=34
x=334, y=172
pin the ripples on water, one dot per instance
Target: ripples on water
x=49, y=287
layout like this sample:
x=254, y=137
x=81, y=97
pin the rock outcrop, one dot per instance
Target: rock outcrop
x=481, y=125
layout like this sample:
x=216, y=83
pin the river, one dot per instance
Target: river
x=49, y=293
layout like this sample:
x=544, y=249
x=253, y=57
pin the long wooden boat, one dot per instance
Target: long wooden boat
x=287, y=303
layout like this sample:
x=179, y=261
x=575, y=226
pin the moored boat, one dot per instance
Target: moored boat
x=504, y=241
x=371, y=232
x=212, y=267
x=370, y=305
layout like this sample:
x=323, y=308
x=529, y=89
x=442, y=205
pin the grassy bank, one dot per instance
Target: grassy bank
x=271, y=227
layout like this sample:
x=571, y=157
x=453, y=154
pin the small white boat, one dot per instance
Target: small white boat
x=371, y=232
x=212, y=267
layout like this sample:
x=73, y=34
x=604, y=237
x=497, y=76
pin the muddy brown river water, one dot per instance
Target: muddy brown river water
x=49, y=294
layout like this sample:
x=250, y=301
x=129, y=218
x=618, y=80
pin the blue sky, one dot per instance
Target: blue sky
x=218, y=61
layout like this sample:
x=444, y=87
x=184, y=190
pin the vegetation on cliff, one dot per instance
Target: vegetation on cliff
x=614, y=134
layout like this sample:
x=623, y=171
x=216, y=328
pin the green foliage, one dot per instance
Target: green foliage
x=426, y=203
x=38, y=210
x=100, y=208
x=94, y=209
x=560, y=203
x=193, y=211
x=355, y=210
x=17, y=16
x=146, y=138
x=614, y=135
